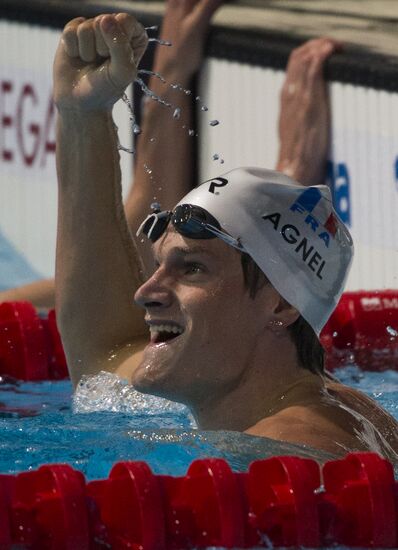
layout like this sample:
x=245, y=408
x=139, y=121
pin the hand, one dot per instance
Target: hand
x=304, y=120
x=96, y=60
x=185, y=24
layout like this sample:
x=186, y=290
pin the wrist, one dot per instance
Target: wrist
x=174, y=73
x=75, y=122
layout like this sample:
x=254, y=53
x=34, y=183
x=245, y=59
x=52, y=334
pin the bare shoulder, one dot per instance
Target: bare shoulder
x=307, y=425
x=363, y=406
x=339, y=420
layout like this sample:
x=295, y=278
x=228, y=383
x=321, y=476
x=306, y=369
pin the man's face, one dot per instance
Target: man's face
x=204, y=325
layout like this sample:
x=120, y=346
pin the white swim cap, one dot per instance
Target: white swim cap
x=292, y=232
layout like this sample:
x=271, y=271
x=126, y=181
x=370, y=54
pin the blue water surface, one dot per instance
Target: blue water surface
x=38, y=425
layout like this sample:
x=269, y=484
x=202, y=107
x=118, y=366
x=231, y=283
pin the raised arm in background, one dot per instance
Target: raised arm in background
x=40, y=293
x=165, y=146
x=304, y=120
x=98, y=268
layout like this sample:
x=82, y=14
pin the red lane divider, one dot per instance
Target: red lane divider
x=280, y=502
x=30, y=347
x=283, y=501
x=362, y=330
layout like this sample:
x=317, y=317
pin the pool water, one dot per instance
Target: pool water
x=108, y=421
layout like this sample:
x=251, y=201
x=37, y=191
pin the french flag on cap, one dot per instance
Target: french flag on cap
x=308, y=201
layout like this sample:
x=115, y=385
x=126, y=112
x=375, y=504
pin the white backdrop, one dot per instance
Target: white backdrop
x=245, y=99
x=28, y=192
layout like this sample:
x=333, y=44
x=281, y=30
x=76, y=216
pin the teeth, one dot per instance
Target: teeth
x=165, y=328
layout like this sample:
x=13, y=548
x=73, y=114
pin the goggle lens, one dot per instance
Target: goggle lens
x=193, y=222
x=190, y=221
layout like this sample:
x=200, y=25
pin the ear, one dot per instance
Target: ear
x=277, y=313
x=282, y=315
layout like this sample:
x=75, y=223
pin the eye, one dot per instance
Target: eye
x=194, y=268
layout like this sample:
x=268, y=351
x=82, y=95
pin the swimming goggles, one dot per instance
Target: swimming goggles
x=190, y=221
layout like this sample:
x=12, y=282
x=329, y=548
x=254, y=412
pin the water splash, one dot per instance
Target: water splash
x=136, y=128
x=152, y=73
x=176, y=86
x=147, y=169
x=160, y=41
x=149, y=93
x=203, y=107
x=107, y=392
x=216, y=156
x=391, y=331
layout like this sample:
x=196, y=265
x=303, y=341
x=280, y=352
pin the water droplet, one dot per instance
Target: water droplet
x=177, y=113
x=160, y=42
x=148, y=92
x=204, y=108
x=391, y=331
x=152, y=140
x=216, y=156
x=127, y=102
x=152, y=73
x=136, y=129
x=187, y=92
x=214, y=123
x=191, y=132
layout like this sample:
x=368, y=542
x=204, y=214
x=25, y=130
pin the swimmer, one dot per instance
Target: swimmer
x=249, y=266
x=165, y=146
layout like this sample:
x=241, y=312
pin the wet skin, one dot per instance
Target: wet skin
x=198, y=285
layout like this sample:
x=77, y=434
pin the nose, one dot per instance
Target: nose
x=154, y=292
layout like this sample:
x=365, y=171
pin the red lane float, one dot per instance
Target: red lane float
x=30, y=347
x=280, y=502
x=363, y=330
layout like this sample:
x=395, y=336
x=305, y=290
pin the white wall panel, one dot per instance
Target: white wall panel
x=364, y=152
x=28, y=193
x=245, y=99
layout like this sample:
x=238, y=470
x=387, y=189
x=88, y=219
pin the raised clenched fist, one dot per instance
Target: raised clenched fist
x=95, y=61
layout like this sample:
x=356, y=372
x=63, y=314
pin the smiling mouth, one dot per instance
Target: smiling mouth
x=164, y=333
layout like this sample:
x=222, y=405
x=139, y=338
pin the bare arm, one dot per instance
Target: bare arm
x=164, y=145
x=97, y=268
x=40, y=293
x=304, y=121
